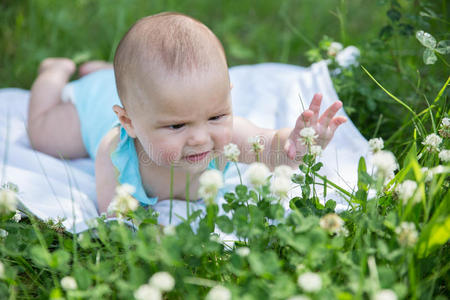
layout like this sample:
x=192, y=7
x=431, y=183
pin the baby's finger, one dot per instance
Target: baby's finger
x=303, y=121
x=329, y=114
x=315, y=107
x=289, y=148
x=336, y=122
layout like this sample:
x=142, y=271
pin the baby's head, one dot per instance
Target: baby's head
x=172, y=80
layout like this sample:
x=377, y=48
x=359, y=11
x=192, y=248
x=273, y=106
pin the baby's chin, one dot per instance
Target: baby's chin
x=178, y=165
x=193, y=167
x=198, y=165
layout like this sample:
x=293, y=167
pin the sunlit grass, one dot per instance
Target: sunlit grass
x=395, y=96
x=251, y=33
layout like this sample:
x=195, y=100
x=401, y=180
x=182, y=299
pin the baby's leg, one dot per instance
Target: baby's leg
x=53, y=125
x=92, y=66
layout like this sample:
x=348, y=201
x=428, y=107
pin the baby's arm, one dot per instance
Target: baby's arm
x=104, y=170
x=282, y=146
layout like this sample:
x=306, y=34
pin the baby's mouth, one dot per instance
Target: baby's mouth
x=197, y=157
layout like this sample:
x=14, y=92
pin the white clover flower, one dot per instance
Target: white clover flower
x=10, y=186
x=334, y=48
x=147, y=292
x=3, y=233
x=308, y=136
x=210, y=183
x=406, y=190
x=444, y=131
x=162, y=281
x=444, y=155
x=2, y=270
x=123, y=202
x=80, y=238
x=125, y=189
x=218, y=293
x=440, y=170
x=427, y=174
x=280, y=186
x=169, y=230
x=299, y=297
x=385, y=163
x=256, y=143
x=8, y=201
x=231, y=152
x=376, y=144
x=243, y=251
x=17, y=217
x=432, y=142
x=385, y=295
x=344, y=232
x=407, y=234
x=92, y=223
x=316, y=150
x=308, y=132
x=257, y=173
x=68, y=283
x=310, y=282
x=388, y=179
x=283, y=171
x=214, y=237
x=333, y=224
x=445, y=122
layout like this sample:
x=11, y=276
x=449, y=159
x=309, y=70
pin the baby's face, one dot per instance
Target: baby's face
x=187, y=121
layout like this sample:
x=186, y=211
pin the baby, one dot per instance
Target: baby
x=174, y=114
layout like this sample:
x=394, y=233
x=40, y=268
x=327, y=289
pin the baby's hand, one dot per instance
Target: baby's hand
x=325, y=126
x=61, y=65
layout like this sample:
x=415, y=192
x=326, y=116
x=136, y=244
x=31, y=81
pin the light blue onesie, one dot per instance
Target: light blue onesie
x=94, y=96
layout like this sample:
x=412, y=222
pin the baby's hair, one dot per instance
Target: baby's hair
x=170, y=42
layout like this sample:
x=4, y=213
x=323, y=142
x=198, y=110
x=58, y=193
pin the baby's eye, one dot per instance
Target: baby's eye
x=216, y=117
x=176, y=126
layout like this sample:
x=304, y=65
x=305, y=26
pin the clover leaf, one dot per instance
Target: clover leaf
x=443, y=47
x=431, y=45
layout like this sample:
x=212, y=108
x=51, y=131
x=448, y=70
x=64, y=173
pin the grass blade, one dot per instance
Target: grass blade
x=389, y=93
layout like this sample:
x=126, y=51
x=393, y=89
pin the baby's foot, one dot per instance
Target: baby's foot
x=92, y=66
x=58, y=64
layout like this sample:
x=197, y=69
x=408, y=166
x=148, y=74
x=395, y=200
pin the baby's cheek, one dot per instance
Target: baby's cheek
x=224, y=138
x=162, y=154
x=167, y=155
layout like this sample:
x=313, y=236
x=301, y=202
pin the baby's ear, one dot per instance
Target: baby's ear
x=124, y=120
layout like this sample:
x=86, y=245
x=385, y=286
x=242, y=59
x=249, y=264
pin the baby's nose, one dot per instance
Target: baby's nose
x=198, y=136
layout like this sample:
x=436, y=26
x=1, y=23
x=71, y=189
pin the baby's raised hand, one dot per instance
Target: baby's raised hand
x=324, y=126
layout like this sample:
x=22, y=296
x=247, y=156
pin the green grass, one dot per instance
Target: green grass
x=395, y=96
x=251, y=31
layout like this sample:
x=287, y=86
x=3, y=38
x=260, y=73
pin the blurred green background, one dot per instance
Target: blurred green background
x=251, y=31
x=285, y=31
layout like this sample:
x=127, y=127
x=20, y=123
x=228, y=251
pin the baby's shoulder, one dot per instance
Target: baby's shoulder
x=109, y=141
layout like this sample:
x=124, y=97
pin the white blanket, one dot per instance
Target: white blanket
x=267, y=94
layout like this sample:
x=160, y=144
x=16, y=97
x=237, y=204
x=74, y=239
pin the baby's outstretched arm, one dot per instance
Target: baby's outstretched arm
x=105, y=174
x=283, y=146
